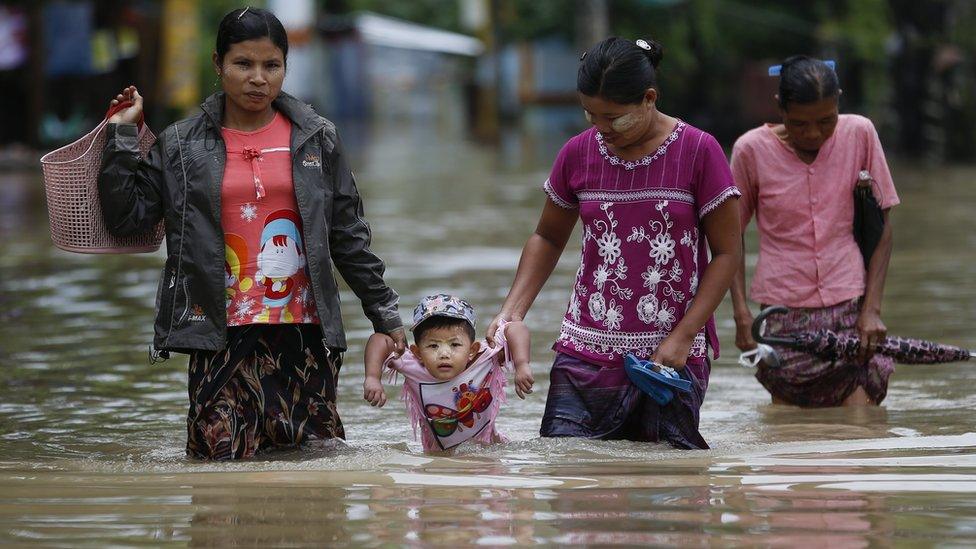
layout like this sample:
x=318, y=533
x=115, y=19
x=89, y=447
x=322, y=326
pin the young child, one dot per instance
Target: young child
x=453, y=385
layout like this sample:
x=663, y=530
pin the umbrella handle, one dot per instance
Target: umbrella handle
x=758, y=322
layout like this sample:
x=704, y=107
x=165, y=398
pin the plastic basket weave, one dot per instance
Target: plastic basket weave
x=73, y=207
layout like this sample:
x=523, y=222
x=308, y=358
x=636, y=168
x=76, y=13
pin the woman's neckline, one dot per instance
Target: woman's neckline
x=647, y=159
x=791, y=152
x=267, y=126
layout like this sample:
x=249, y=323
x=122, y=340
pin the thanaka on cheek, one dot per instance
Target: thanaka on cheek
x=625, y=123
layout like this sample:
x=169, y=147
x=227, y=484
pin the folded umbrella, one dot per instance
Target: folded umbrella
x=868, y=217
x=830, y=345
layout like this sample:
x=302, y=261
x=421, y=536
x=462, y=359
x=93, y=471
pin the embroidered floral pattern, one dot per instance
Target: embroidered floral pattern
x=662, y=248
x=665, y=316
x=613, y=270
x=609, y=246
x=598, y=307
x=601, y=275
x=663, y=276
x=652, y=277
x=574, y=307
x=613, y=315
x=647, y=308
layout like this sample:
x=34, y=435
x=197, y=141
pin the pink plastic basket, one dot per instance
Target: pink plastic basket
x=73, y=208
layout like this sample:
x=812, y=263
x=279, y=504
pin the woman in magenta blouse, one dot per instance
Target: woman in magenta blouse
x=652, y=193
x=798, y=177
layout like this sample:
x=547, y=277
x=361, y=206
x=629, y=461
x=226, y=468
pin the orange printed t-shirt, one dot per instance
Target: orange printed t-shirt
x=264, y=253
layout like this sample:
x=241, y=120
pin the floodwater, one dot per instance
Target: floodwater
x=92, y=436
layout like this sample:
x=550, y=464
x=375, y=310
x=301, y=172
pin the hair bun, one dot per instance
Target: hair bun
x=652, y=49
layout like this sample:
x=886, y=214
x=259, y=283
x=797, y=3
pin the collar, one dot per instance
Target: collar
x=306, y=121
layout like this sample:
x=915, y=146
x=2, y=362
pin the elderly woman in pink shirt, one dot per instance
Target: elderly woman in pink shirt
x=798, y=179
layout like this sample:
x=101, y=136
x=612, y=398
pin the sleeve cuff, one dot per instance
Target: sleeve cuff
x=556, y=199
x=126, y=136
x=385, y=326
x=729, y=192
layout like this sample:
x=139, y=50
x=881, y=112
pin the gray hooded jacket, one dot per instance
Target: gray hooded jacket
x=180, y=182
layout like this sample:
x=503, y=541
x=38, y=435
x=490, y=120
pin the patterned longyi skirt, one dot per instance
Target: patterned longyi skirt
x=272, y=386
x=803, y=379
x=593, y=401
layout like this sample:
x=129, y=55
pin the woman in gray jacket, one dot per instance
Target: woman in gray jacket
x=259, y=205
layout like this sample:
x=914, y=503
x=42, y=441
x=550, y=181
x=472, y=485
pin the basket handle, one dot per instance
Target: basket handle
x=121, y=106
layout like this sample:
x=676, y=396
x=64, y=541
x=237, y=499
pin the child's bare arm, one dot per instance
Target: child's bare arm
x=378, y=348
x=519, y=348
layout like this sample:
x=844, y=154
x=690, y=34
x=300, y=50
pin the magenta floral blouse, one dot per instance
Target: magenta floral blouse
x=643, y=247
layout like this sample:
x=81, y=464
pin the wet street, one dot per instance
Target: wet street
x=92, y=436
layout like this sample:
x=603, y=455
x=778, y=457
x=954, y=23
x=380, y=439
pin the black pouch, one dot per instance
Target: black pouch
x=868, y=218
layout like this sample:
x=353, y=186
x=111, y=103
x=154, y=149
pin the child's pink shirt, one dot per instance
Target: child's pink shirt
x=491, y=362
x=805, y=212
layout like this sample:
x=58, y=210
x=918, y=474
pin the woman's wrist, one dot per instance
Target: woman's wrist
x=870, y=305
x=684, y=332
x=741, y=318
x=871, y=310
x=510, y=315
x=740, y=307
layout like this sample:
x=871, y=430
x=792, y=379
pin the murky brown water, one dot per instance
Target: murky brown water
x=91, y=435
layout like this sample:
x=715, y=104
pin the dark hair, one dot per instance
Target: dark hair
x=250, y=24
x=436, y=322
x=619, y=70
x=804, y=79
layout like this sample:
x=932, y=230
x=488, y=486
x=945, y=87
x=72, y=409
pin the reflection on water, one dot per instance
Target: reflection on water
x=91, y=436
x=861, y=492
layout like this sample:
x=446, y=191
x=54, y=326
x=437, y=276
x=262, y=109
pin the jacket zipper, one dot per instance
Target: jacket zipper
x=298, y=200
x=179, y=259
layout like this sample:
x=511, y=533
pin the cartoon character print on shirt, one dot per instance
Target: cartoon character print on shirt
x=458, y=410
x=237, y=282
x=281, y=257
x=469, y=400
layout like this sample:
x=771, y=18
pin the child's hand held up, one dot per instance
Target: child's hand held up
x=373, y=392
x=523, y=380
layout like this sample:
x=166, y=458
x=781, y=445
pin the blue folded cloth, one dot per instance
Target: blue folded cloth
x=655, y=380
